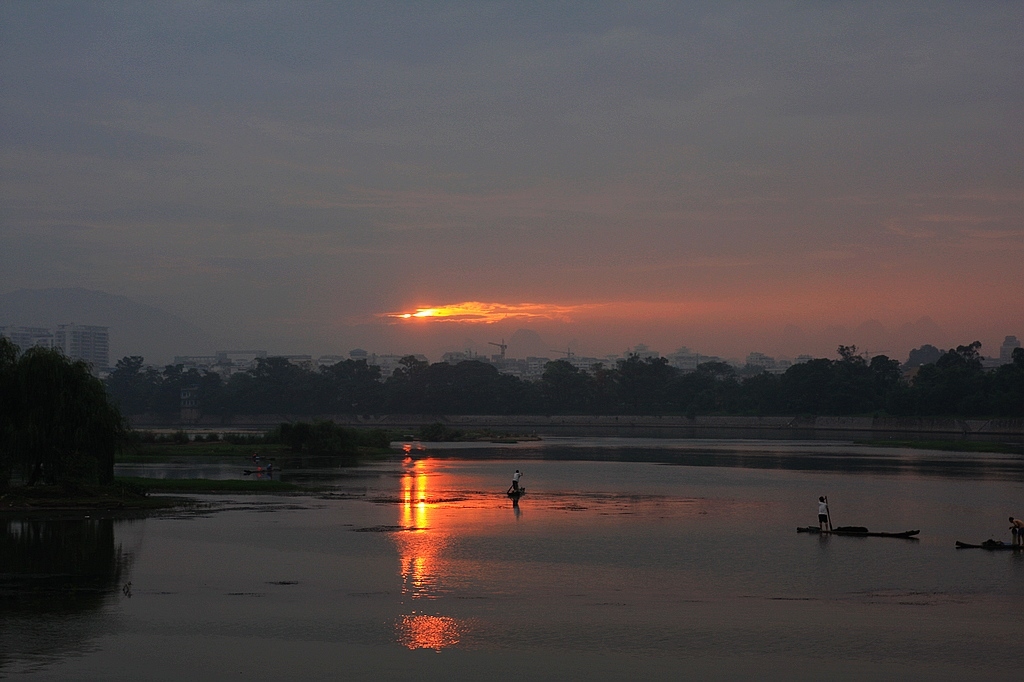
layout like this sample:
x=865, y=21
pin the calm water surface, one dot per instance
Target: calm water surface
x=626, y=559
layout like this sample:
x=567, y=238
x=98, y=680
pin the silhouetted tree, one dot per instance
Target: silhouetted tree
x=1007, y=387
x=924, y=355
x=132, y=386
x=352, y=387
x=404, y=388
x=644, y=385
x=760, y=394
x=711, y=389
x=8, y=400
x=954, y=385
x=566, y=389
x=57, y=422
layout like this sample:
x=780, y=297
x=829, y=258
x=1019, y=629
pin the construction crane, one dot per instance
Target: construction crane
x=567, y=352
x=501, y=345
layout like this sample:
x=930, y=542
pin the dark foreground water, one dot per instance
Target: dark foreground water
x=625, y=560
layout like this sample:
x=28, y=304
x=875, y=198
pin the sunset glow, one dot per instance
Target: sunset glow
x=480, y=312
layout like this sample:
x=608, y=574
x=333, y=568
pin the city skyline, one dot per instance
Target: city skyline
x=51, y=310
x=91, y=343
x=773, y=177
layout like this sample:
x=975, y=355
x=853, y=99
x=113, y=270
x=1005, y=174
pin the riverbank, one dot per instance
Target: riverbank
x=949, y=445
x=119, y=498
x=147, y=452
x=206, y=485
x=667, y=426
x=130, y=496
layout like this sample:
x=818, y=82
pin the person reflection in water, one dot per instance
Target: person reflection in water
x=1017, y=528
x=822, y=514
x=514, y=488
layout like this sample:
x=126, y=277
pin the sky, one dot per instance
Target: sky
x=731, y=177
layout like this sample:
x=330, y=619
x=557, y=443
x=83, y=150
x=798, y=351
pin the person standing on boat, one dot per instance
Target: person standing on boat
x=822, y=514
x=515, y=482
x=1017, y=528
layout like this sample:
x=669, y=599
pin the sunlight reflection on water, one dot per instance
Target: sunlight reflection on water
x=428, y=632
x=640, y=560
x=420, y=550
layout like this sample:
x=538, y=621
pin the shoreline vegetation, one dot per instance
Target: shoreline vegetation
x=438, y=432
x=131, y=496
x=372, y=442
x=137, y=495
x=948, y=445
x=121, y=497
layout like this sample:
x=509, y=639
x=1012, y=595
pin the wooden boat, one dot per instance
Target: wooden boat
x=859, y=531
x=516, y=494
x=989, y=545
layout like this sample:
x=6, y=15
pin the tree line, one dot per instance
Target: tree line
x=954, y=384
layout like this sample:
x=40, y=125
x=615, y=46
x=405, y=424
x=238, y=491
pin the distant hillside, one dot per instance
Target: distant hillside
x=135, y=329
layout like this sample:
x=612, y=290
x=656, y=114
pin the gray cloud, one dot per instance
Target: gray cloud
x=343, y=159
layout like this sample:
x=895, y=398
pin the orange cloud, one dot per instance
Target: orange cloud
x=476, y=311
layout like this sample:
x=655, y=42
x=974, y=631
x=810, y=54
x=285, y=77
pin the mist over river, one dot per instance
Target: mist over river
x=625, y=559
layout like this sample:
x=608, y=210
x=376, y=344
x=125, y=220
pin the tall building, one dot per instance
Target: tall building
x=756, y=359
x=1006, y=350
x=200, y=362
x=239, y=360
x=84, y=342
x=28, y=337
x=643, y=352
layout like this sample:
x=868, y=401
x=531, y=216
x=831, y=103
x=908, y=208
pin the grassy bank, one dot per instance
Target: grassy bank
x=205, y=485
x=167, y=451
x=120, y=497
x=150, y=452
x=949, y=445
x=127, y=495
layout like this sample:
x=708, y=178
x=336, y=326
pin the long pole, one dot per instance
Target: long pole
x=828, y=513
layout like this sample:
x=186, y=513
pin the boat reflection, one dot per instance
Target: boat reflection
x=421, y=546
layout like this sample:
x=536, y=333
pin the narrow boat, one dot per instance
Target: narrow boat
x=516, y=494
x=858, y=531
x=990, y=545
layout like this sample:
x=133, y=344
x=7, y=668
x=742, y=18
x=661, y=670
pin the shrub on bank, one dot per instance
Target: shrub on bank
x=326, y=438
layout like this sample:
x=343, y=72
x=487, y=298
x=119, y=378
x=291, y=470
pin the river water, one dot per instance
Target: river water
x=626, y=559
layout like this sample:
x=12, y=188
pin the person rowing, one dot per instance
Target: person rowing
x=1017, y=528
x=514, y=488
x=823, y=522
